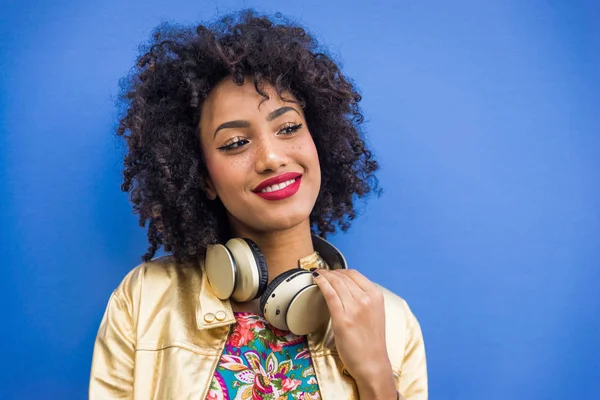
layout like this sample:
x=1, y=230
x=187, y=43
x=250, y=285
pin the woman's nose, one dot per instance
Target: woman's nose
x=270, y=156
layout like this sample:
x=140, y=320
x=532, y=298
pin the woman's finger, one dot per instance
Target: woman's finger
x=339, y=285
x=355, y=290
x=334, y=303
x=358, y=278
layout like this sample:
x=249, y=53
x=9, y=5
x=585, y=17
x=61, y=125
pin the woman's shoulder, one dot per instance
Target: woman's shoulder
x=402, y=327
x=157, y=276
x=396, y=307
x=406, y=347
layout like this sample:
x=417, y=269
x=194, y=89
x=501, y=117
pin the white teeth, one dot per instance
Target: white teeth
x=278, y=186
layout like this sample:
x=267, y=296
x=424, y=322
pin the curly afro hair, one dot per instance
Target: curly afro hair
x=162, y=97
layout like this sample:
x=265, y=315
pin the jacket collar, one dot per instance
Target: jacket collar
x=212, y=312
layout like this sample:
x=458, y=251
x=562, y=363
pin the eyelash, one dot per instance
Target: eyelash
x=292, y=127
x=239, y=141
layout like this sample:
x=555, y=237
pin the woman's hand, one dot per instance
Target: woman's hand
x=358, y=321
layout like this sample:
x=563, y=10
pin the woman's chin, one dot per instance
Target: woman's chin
x=279, y=225
x=283, y=223
x=271, y=222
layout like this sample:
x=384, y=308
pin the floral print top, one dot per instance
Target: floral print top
x=263, y=362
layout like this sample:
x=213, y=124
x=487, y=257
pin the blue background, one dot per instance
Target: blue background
x=484, y=116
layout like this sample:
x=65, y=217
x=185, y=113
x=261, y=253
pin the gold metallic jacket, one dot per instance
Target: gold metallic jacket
x=164, y=330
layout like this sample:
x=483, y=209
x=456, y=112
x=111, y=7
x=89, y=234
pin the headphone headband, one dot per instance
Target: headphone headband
x=332, y=256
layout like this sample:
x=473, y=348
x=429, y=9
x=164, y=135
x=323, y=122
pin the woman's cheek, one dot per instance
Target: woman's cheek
x=216, y=172
x=310, y=150
x=226, y=174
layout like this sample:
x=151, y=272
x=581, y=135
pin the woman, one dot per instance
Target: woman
x=245, y=130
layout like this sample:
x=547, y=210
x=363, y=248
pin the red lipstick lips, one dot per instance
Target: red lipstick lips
x=279, y=187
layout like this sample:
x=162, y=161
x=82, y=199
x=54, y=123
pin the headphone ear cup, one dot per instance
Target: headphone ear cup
x=274, y=284
x=251, y=271
x=293, y=302
x=263, y=274
x=221, y=270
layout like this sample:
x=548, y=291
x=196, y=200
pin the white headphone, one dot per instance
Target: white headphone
x=292, y=301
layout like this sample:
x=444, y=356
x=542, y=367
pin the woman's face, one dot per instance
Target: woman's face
x=261, y=159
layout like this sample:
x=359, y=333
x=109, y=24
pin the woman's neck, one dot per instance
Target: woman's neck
x=282, y=249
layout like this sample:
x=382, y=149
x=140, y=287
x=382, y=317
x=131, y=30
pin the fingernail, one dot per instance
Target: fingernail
x=312, y=269
x=315, y=274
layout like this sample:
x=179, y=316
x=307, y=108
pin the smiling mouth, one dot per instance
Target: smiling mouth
x=278, y=186
x=278, y=182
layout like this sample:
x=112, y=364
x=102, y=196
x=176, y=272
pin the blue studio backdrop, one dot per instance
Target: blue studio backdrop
x=483, y=115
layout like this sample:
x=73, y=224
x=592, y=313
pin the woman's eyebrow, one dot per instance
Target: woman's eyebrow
x=279, y=112
x=232, y=124
x=245, y=124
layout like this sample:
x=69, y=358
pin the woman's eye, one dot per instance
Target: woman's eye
x=290, y=129
x=234, y=144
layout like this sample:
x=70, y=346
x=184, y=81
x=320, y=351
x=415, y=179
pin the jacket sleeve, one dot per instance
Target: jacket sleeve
x=412, y=384
x=113, y=360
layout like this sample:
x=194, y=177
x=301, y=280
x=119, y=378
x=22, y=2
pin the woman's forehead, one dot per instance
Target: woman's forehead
x=229, y=100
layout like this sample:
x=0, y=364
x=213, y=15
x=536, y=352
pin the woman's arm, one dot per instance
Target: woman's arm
x=357, y=313
x=112, y=363
x=413, y=376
